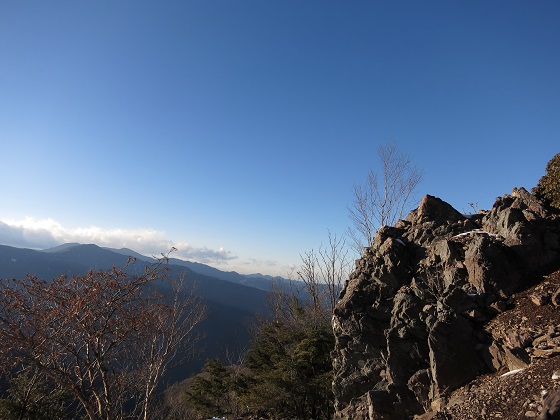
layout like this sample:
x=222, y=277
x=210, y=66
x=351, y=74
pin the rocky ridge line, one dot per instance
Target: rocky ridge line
x=411, y=324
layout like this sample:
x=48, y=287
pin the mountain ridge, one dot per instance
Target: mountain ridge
x=256, y=280
x=231, y=307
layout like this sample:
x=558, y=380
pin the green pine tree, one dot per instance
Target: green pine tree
x=218, y=390
x=292, y=368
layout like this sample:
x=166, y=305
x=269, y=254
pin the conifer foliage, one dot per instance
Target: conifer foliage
x=287, y=370
x=292, y=369
x=548, y=187
x=31, y=397
x=286, y=373
x=220, y=391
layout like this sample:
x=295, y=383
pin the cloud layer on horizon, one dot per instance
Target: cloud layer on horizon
x=47, y=233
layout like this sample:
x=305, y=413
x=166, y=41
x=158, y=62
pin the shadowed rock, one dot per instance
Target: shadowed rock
x=409, y=323
x=551, y=406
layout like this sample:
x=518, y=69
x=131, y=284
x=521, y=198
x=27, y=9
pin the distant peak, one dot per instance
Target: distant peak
x=62, y=248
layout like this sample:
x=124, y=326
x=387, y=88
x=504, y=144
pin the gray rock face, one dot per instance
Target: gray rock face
x=409, y=323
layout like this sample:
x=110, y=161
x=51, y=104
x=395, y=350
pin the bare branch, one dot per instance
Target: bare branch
x=105, y=336
x=385, y=197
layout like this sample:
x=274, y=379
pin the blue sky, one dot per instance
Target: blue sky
x=235, y=130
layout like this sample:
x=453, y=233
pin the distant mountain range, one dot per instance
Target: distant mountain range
x=259, y=281
x=233, y=299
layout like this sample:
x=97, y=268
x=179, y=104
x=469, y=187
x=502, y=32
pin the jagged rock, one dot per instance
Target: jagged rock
x=546, y=353
x=551, y=406
x=434, y=210
x=498, y=307
x=529, y=228
x=516, y=359
x=409, y=324
x=494, y=356
x=540, y=298
x=453, y=357
x=555, y=298
x=518, y=339
x=419, y=384
x=503, y=393
x=489, y=269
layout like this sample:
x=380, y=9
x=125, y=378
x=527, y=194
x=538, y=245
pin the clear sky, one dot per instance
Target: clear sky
x=236, y=129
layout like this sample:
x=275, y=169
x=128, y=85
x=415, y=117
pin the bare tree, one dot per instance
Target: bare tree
x=334, y=267
x=285, y=301
x=385, y=196
x=323, y=274
x=106, y=336
x=309, y=274
x=170, y=329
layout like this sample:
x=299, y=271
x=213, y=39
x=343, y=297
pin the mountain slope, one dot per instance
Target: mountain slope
x=231, y=307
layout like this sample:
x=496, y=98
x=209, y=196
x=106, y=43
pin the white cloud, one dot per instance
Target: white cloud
x=46, y=233
x=25, y=234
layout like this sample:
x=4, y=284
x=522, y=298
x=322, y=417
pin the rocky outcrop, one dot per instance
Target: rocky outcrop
x=524, y=345
x=409, y=326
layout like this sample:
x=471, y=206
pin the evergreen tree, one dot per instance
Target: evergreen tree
x=30, y=397
x=288, y=365
x=218, y=390
x=548, y=187
x=291, y=366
